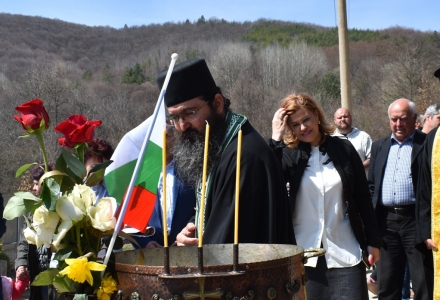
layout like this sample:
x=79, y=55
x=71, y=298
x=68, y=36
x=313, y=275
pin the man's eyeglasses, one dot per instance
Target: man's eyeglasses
x=188, y=116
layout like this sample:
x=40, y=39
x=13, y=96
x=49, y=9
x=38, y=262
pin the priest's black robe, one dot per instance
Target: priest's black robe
x=423, y=209
x=264, y=214
x=423, y=203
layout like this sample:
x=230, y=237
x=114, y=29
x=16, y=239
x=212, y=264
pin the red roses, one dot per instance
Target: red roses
x=33, y=116
x=77, y=130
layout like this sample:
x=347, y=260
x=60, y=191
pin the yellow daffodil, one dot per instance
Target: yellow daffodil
x=79, y=269
x=108, y=287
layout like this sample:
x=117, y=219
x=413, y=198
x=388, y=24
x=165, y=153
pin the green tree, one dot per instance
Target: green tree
x=107, y=75
x=87, y=74
x=134, y=75
x=331, y=84
x=201, y=20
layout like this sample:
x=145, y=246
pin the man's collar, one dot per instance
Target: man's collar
x=337, y=130
x=410, y=138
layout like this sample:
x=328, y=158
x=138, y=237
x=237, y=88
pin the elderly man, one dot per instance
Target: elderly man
x=358, y=138
x=393, y=178
x=193, y=101
x=431, y=118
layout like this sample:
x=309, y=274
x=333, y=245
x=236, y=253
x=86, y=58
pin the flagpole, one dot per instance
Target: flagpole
x=127, y=197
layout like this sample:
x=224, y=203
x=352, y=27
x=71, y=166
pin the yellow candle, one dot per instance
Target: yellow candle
x=164, y=188
x=202, y=203
x=237, y=186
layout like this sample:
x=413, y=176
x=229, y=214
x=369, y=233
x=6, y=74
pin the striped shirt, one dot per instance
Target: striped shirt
x=397, y=186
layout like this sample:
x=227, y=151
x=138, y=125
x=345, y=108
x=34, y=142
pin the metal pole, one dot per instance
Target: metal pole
x=344, y=63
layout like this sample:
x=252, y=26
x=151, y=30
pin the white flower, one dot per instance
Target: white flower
x=45, y=222
x=30, y=236
x=68, y=210
x=102, y=216
x=86, y=195
x=62, y=230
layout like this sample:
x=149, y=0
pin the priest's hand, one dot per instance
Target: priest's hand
x=187, y=236
x=279, y=124
x=431, y=245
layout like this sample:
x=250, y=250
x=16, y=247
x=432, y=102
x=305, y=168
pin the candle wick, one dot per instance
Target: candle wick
x=206, y=122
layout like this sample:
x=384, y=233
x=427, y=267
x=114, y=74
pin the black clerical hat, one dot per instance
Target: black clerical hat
x=437, y=74
x=190, y=79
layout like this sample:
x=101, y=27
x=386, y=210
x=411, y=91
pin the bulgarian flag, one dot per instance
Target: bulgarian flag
x=119, y=174
x=135, y=171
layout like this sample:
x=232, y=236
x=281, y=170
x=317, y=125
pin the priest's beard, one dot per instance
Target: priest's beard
x=188, y=151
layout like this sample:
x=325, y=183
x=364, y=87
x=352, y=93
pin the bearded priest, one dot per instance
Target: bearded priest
x=193, y=100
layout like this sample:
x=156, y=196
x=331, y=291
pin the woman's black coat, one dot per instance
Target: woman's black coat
x=351, y=170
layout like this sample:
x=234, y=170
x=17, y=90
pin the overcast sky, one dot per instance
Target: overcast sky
x=362, y=14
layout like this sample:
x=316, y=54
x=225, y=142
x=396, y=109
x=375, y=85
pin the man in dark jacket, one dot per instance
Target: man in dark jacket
x=392, y=179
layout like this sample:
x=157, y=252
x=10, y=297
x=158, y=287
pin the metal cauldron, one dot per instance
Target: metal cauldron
x=265, y=271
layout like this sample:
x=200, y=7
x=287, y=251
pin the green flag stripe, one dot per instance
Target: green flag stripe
x=118, y=180
x=149, y=172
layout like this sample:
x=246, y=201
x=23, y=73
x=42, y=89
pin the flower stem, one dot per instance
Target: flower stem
x=80, y=152
x=86, y=234
x=78, y=239
x=43, y=149
x=98, y=243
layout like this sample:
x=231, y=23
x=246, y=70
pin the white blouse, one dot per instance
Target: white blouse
x=320, y=214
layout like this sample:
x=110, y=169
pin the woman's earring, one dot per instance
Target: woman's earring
x=319, y=122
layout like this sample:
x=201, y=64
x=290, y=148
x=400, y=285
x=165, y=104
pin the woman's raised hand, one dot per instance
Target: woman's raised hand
x=279, y=124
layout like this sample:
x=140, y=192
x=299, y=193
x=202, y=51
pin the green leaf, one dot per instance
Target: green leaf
x=96, y=279
x=23, y=168
x=17, y=207
x=45, y=277
x=101, y=166
x=66, y=182
x=96, y=174
x=95, y=177
x=50, y=193
x=62, y=254
x=27, y=196
x=61, y=164
x=60, y=284
x=74, y=164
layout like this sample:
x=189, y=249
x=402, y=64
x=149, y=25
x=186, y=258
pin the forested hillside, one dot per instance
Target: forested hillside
x=109, y=74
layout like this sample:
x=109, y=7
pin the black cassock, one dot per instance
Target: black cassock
x=264, y=214
x=423, y=203
x=423, y=208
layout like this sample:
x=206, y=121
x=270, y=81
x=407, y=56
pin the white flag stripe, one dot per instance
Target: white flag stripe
x=130, y=145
